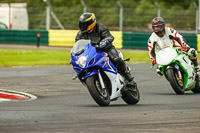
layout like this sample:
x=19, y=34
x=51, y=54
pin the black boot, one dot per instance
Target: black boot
x=129, y=78
x=197, y=69
x=127, y=74
x=196, y=65
x=123, y=70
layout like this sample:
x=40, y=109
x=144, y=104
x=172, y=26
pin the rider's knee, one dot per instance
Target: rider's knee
x=118, y=60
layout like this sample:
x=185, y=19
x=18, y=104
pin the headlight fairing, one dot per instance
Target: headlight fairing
x=82, y=61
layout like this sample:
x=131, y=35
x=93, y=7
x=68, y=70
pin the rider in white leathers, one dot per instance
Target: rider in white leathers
x=166, y=34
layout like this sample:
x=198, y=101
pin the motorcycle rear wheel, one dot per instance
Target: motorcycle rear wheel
x=175, y=82
x=197, y=87
x=131, y=96
x=100, y=96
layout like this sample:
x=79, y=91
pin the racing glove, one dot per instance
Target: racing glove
x=103, y=43
x=153, y=61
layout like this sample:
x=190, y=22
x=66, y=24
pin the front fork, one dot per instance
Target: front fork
x=179, y=72
x=101, y=80
x=177, y=67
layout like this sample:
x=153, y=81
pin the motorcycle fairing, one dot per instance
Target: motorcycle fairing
x=162, y=54
x=185, y=63
x=117, y=83
x=96, y=59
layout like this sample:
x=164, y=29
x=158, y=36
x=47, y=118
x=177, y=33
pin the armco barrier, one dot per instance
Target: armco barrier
x=138, y=40
x=191, y=39
x=62, y=37
x=135, y=40
x=67, y=38
x=126, y=40
x=28, y=37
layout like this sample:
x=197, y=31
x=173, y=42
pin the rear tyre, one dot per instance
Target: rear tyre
x=131, y=96
x=100, y=96
x=197, y=87
x=176, y=81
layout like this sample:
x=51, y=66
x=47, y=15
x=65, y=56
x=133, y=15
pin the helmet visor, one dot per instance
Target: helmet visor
x=83, y=26
x=157, y=27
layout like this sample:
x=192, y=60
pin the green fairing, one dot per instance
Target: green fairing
x=192, y=87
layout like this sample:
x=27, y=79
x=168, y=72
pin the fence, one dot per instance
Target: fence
x=135, y=22
x=134, y=19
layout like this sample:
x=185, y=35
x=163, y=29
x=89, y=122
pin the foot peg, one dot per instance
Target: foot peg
x=75, y=77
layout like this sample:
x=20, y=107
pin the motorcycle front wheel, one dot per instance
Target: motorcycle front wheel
x=100, y=95
x=176, y=81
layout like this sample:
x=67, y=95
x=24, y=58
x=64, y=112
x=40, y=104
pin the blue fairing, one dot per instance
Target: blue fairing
x=95, y=59
x=90, y=74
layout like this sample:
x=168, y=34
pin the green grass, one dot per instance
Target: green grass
x=19, y=57
x=16, y=57
x=137, y=56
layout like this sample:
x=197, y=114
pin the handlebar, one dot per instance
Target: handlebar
x=178, y=50
x=95, y=45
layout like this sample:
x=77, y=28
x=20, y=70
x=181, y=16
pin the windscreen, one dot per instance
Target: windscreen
x=79, y=46
x=161, y=44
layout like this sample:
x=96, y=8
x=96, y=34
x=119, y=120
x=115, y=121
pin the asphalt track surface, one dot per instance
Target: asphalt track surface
x=65, y=106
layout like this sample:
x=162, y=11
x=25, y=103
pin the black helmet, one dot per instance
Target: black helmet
x=87, y=21
x=158, y=22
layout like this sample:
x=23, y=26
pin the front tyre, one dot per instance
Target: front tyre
x=100, y=95
x=131, y=96
x=176, y=81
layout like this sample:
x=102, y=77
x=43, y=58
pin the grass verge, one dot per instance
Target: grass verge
x=16, y=57
x=19, y=57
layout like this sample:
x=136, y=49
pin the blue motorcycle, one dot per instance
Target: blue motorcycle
x=95, y=71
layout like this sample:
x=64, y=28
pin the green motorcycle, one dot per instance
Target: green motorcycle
x=178, y=69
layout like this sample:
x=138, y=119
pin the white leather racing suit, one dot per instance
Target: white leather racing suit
x=170, y=36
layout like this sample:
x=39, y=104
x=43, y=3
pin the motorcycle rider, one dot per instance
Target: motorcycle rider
x=161, y=33
x=101, y=36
